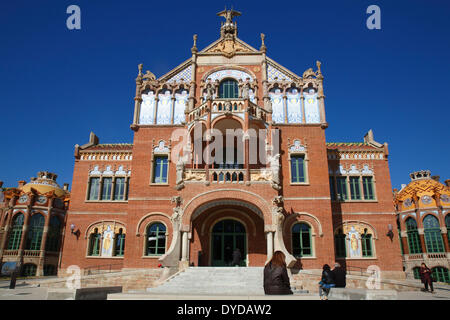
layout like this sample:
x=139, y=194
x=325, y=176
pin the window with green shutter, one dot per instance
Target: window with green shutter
x=106, y=189
x=35, y=231
x=119, y=189
x=16, y=232
x=416, y=272
x=342, y=188
x=432, y=234
x=156, y=239
x=228, y=89
x=94, y=243
x=160, y=169
x=368, y=188
x=297, y=168
x=440, y=274
x=301, y=240
x=413, y=236
x=355, y=193
x=119, y=247
x=94, y=189
x=366, y=244
x=447, y=224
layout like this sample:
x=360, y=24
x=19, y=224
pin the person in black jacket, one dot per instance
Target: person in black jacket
x=326, y=282
x=339, y=276
x=276, y=279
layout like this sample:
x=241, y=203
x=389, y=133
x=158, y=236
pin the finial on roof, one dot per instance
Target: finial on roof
x=229, y=29
x=263, y=46
x=140, y=66
x=318, y=64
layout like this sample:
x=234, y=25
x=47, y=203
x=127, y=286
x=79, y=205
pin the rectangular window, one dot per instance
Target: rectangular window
x=119, y=189
x=354, y=188
x=332, y=188
x=160, y=169
x=366, y=242
x=297, y=169
x=106, y=189
x=368, y=188
x=342, y=188
x=94, y=186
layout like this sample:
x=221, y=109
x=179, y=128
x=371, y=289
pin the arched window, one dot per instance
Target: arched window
x=155, y=240
x=366, y=244
x=339, y=244
x=16, y=232
x=94, y=243
x=34, y=235
x=440, y=274
x=50, y=270
x=29, y=270
x=301, y=240
x=413, y=236
x=119, y=243
x=432, y=232
x=228, y=89
x=53, y=235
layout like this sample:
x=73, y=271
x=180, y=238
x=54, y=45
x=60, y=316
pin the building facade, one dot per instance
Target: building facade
x=33, y=217
x=423, y=221
x=229, y=152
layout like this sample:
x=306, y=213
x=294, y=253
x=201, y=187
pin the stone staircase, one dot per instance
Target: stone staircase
x=209, y=281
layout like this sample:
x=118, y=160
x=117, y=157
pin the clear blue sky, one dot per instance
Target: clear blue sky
x=57, y=85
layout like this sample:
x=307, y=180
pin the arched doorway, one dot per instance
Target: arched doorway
x=226, y=236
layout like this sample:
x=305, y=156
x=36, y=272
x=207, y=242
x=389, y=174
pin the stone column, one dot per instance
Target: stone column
x=269, y=238
x=445, y=239
x=40, y=267
x=422, y=240
x=246, y=142
x=184, y=246
x=208, y=139
x=302, y=106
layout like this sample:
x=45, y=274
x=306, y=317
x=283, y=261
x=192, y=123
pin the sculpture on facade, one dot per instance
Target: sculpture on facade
x=275, y=168
x=180, y=173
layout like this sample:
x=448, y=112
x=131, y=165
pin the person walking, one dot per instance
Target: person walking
x=236, y=257
x=276, y=279
x=339, y=276
x=326, y=282
x=425, y=276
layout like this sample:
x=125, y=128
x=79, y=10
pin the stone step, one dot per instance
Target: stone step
x=214, y=280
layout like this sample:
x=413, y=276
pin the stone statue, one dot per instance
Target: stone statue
x=180, y=171
x=246, y=91
x=275, y=168
x=209, y=92
x=176, y=215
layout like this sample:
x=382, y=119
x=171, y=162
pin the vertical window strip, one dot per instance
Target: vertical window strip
x=107, y=188
x=368, y=188
x=94, y=186
x=341, y=250
x=413, y=236
x=16, y=233
x=297, y=169
x=342, y=188
x=119, y=189
x=366, y=242
x=160, y=170
x=301, y=240
x=332, y=188
x=120, y=244
x=354, y=188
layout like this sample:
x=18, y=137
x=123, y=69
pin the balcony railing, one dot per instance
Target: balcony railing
x=11, y=252
x=32, y=253
x=228, y=106
x=227, y=175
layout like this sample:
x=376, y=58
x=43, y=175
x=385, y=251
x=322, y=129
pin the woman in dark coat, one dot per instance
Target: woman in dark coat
x=425, y=276
x=326, y=282
x=276, y=279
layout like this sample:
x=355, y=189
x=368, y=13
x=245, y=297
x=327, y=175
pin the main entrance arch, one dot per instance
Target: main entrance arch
x=227, y=236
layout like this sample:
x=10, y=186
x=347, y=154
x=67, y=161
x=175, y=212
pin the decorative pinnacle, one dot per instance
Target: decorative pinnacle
x=140, y=66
